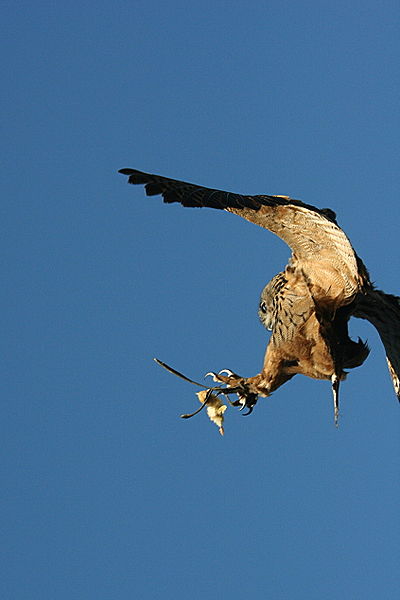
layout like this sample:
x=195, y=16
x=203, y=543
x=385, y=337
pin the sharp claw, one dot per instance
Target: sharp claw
x=211, y=374
x=227, y=371
x=243, y=402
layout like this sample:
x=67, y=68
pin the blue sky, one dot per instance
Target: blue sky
x=106, y=492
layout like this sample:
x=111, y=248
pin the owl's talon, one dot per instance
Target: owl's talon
x=227, y=371
x=211, y=374
x=246, y=399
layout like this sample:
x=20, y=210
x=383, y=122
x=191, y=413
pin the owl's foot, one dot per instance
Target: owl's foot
x=235, y=384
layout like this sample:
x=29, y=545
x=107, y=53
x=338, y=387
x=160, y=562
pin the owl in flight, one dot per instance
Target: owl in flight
x=307, y=306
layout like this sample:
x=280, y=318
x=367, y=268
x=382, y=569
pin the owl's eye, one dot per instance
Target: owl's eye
x=263, y=307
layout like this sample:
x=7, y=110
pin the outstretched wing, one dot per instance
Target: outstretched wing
x=320, y=248
x=192, y=195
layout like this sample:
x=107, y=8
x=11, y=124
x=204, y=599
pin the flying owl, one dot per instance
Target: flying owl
x=308, y=305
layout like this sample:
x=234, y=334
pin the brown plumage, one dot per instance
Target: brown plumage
x=308, y=305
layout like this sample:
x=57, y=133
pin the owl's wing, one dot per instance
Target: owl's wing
x=383, y=311
x=320, y=248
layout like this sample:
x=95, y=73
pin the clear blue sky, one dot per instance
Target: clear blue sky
x=106, y=493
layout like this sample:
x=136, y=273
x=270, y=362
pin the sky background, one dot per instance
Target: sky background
x=106, y=493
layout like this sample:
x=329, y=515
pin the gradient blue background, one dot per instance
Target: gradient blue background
x=106, y=493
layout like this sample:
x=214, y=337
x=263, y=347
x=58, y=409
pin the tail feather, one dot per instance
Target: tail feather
x=383, y=311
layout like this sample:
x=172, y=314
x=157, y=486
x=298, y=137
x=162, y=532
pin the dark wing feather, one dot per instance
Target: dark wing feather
x=192, y=195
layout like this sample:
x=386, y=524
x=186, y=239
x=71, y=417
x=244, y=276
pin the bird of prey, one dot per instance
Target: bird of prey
x=308, y=305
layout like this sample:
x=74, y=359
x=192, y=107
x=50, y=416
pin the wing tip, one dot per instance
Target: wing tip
x=134, y=176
